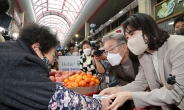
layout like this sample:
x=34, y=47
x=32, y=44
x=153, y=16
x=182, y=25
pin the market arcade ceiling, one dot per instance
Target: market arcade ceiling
x=60, y=15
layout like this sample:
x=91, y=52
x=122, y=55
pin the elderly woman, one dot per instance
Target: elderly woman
x=24, y=78
x=160, y=55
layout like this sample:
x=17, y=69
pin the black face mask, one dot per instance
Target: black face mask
x=180, y=31
x=46, y=60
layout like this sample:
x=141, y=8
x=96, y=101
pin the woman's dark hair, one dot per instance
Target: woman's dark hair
x=85, y=42
x=140, y=21
x=34, y=33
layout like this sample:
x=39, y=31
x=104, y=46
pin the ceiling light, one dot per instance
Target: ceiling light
x=171, y=23
x=121, y=12
x=15, y=35
x=2, y=29
x=76, y=35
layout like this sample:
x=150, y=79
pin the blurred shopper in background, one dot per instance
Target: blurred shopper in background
x=75, y=52
x=87, y=62
x=160, y=55
x=60, y=53
x=24, y=78
x=68, y=53
x=179, y=25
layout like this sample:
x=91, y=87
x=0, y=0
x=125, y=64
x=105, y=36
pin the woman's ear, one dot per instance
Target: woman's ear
x=36, y=48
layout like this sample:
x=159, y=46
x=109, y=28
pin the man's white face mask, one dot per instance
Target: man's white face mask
x=114, y=59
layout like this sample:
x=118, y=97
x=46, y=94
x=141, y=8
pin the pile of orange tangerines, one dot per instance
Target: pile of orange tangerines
x=81, y=80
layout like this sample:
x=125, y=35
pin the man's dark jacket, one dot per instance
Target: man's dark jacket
x=24, y=78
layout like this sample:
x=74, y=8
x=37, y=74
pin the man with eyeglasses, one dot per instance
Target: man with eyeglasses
x=123, y=64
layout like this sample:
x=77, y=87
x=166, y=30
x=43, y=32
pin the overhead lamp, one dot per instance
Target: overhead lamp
x=76, y=35
x=171, y=23
x=2, y=29
x=15, y=35
x=121, y=12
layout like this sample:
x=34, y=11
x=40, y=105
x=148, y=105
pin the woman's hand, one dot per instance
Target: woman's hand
x=120, y=99
x=110, y=91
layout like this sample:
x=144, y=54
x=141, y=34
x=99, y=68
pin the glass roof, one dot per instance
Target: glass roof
x=58, y=14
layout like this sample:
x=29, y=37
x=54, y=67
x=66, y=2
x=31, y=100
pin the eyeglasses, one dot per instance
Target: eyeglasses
x=111, y=50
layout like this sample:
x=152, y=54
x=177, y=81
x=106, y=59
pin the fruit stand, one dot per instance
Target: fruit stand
x=81, y=82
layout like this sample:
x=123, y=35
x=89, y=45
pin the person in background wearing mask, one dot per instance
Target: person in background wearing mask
x=59, y=53
x=24, y=79
x=160, y=54
x=75, y=52
x=87, y=62
x=179, y=25
x=68, y=53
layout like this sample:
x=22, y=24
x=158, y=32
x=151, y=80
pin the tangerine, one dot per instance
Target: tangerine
x=97, y=81
x=87, y=80
x=92, y=83
x=82, y=83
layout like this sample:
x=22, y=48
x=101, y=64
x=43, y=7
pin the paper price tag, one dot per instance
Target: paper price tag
x=107, y=79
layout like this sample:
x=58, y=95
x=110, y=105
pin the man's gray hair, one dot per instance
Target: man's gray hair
x=118, y=37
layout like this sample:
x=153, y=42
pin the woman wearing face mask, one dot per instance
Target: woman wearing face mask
x=24, y=79
x=87, y=62
x=75, y=52
x=160, y=54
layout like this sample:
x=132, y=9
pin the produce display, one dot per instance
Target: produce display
x=72, y=79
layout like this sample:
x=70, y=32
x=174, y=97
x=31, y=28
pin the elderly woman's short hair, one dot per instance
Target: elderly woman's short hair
x=118, y=37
